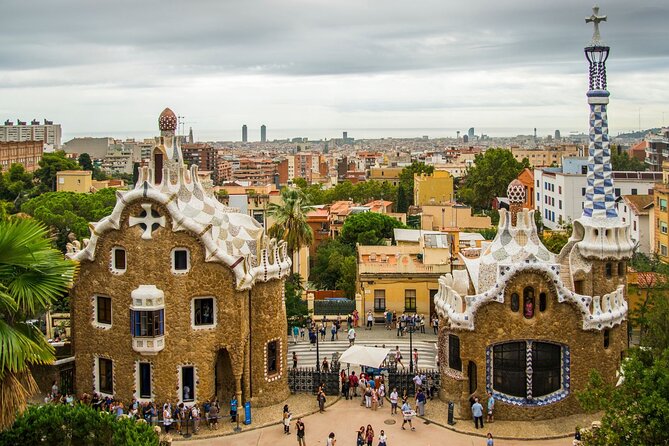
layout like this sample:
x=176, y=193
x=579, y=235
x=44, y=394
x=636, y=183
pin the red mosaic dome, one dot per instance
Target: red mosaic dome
x=516, y=192
x=167, y=121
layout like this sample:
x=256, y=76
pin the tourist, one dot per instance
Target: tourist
x=389, y=320
x=233, y=408
x=408, y=415
x=415, y=357
x=333, y=331
x=375, y=400
x=195, y=414
x=398, y=356
x=213, y=415
x=299, y=427
x=382, y=438
x=393, y=401
x=370, y=320
x=177, y=416
x=422, y=324
x=325, y=365
x=331, y=440
x=119, y=409
x=294, y=360
x=360, y=440
x=369, y=435
x=351, y=336
x=349, y=321
x=420, y=402
x=489, y=441
x=302, y=333
x=577, y=437
x=491, y=407
x=429, y=386
x=167, y=418
x=321, y=399
x=286, y=420
x=477, y=413
x=356, y=317
x=322, y=330
x=363, y=389
x=296, y=331
x=435, y=324
x=381, y=392
x=352, y=386
x=313, y=337
x=394, y=321
x=54, y=390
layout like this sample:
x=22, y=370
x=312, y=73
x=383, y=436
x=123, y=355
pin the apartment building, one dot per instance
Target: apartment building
x=26, y=153
x=48, y=132
x=389, y=174
x=547, y=156
x=257, y=171
x=635, y=210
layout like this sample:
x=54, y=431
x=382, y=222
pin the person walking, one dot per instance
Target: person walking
x=368, y=396
x=382, y=438
x=351, y=336
x=398, y=356
x=333, y=331
x=167, y=418
x=417, y=382
x=489, y=441
x=408, y=415
x=331, y=440
x=370, y=320
x=299, y=427
x=352, y=385
x=233, y=408
x=360, y=439
x=435, y=324
x=369, y=435
x=375, y=399
x=477, y=413
x=296, y=331
x=301, y=333
x=195, y=415
x=393, y=401
x=491, y=407
x=381, y=392
x=415, y=357
x=286, y=420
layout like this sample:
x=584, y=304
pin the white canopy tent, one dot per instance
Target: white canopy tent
x=364, y=355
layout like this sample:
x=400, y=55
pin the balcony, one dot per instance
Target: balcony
x=403, y=268
x=149, y=345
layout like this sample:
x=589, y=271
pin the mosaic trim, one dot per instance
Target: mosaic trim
x=599, y=193
x=280, y=359
x=530, y=401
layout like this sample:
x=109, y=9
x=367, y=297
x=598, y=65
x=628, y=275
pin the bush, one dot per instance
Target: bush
x=63, y=425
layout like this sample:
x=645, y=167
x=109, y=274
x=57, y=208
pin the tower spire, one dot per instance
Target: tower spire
x=599, y=196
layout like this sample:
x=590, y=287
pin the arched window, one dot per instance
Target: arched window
x=158, y=166
x=454, y=360
x=515, y=302
x=472, y=375
x=542, y=302
x=607, y=337
x=609, y=270
x=528, y=302
x=509, y=368
x=621, y=268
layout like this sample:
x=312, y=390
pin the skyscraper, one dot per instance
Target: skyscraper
x=557, y=135
x=263, y=133
x=470, y=132
x=245, y=133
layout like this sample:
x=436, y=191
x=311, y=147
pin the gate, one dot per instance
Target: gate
x=307, y=380
x=402, y=380
x=67, y=381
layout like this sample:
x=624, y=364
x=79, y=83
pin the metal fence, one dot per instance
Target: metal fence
x=333, y=307
x=307, y=379
x=403, y=380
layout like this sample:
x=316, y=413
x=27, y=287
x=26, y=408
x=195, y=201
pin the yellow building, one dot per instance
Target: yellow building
x=660, y=214
x=452, y=215
x=545, y=157
x=435, y=188
x=403, y=279
x=389, y=174
x=74, y=181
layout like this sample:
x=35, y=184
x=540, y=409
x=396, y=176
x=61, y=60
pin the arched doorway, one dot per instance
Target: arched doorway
x=225, y=380
x=471, y=373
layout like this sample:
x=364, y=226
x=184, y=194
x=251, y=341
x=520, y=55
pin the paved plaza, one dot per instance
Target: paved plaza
x=344, y=418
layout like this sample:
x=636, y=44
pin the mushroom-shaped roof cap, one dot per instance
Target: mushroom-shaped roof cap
x=516, y=192
x=167, y=121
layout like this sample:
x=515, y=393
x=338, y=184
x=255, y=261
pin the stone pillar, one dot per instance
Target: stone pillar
x=310, y=303
x=360, y=305
x=240, y=403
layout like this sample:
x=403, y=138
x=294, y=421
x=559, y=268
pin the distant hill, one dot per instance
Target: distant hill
x=639, y=134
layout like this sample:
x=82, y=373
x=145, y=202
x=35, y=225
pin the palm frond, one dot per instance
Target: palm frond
x=15, y=390
x=20, y=346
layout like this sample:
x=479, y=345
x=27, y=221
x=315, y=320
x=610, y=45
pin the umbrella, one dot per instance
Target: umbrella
x=363, y=355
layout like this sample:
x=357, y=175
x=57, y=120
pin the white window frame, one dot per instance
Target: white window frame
x=180, y=389
x=137, y=394
x=192, y=314
x=112, y=261
x=96, y=375
x=180, y=271
x=95, y=313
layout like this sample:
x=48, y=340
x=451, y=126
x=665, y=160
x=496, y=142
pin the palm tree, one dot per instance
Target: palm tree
x=32, y=276
x=291, y=221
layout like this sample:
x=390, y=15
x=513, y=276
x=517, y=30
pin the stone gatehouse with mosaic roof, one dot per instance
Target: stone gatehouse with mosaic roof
x=179, y=298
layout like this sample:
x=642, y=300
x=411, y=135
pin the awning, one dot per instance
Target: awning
x=363, y=355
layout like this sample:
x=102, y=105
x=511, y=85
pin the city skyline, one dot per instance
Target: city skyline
x=345, y=66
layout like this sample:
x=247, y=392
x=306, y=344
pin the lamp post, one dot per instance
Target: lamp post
x=410, y=326
x=318, y=356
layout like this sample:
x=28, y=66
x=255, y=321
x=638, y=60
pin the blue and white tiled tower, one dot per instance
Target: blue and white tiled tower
x=599, y=198
x=600, y=233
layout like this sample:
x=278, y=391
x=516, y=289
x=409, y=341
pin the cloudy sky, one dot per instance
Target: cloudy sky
x=316, y=67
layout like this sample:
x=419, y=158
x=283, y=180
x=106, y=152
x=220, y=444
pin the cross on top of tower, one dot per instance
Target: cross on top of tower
x=595, y=18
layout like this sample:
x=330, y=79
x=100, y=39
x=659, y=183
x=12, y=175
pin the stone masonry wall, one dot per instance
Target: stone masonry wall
x=149, y=263
x=559, y=323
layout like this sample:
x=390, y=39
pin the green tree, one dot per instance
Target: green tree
x=368, y=228
x=489, y=177
x=67, y=212
x=85, y=162
x=32, y=276
x=623, y=162
x=326, y=269
x=16, y=184
x=296, y=307
x=291, y=221
x=635, y=412
x=49, y=166
x=64, y=425
x=406, y=184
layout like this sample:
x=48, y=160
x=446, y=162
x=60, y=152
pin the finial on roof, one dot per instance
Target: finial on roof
x=167, y=121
